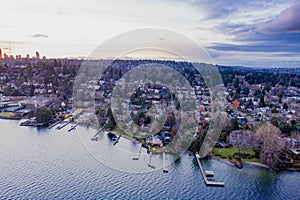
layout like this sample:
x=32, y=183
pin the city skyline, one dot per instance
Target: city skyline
x=256, y=33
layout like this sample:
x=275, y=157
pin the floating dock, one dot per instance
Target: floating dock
x=117, y=139
x=165, y=169
x=138, y=157
x=95, y=137
x=52, y=125
x=207, y=182
x=150, y=159
x=73, y=128
x=62, y=126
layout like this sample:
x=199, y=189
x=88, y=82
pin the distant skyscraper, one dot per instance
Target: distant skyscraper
x=37, y=55
x=0, y=53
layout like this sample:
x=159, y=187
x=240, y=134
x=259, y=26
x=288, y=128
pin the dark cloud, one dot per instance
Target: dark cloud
x=248, y=38
x=257, y=47
x=39, y=35
x=254, y=37
x=283, y=46
x=253, y=41
x=224, y=9
x=234, y=29
x=276, y=38
x=287, y=21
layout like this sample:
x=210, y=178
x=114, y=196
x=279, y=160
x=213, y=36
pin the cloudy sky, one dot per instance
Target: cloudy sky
x=258, y=33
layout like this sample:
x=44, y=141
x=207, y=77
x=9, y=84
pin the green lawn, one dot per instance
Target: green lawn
x=225, y=152
x=118, y=130
x=128, y=134
x=7, y=114
x=257, y=160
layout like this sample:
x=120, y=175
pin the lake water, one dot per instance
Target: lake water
x=52, y=164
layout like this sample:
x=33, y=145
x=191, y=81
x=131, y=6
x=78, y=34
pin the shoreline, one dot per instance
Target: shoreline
x=126, y=137
x=257, y=165
x=251, y=164
x=254, y=164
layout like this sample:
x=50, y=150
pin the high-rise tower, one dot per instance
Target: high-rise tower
x=37, y=55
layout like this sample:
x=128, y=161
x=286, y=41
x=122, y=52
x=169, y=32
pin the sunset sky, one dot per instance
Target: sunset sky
x=258, y=33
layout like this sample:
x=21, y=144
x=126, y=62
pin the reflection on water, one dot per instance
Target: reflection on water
x=120, y=156
x=47, y=164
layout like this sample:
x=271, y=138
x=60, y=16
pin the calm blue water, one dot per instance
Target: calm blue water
x=51, y=164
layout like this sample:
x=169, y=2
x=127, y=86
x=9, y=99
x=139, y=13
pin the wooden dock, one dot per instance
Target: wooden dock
x=150, y=159
x=138, y=157
x=207, y=182
x=165, y=169
x=54, y=124
x=117, y=139
x=73, y=128
x=95, y=137
x=62, y=126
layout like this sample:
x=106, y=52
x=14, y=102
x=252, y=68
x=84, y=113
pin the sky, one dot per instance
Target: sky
x=259, y=33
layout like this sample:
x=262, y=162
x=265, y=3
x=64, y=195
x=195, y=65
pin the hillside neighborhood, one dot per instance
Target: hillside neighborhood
x=258, y=101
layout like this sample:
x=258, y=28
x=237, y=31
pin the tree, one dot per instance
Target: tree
x=236, y=82
x=140, y=119
x=285, y=106
x=250, y=103
x=262, y=101
x=235, y=124
x=31, y=90
x=269, y=144
x=197, y=143
x=280, y=97
x=171, y=120
x=274, y=121
x=111, y=124
x=267, y=87
x=223, y=136
x=235, y=96
x=43, y=115
x=257, y=93
x=293, y=125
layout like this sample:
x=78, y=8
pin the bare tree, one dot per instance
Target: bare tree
x=268, y=141
x=243, y=139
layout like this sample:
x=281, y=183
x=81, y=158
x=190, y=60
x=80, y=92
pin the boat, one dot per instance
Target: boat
x=211, y=179
x=238, y=164
x=112, y=136
x=209, y=173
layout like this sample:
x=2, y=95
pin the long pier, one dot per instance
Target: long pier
x=95, y=137
x=207, y=182
x=150, y=159
x=117, y=139
x=54, y=124
x=62, y=126
x=165, y=169
x=73, y=128
x=138, y=157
